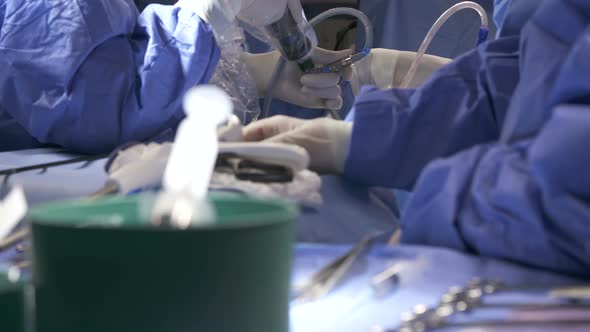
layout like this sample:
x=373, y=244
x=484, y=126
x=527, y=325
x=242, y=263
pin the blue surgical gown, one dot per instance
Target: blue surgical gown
x=495, y=145
x=90, y=75
x=511, y=15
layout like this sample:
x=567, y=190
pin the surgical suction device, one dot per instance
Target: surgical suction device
x=291, y=39
x=284, y=22
x=348, y=61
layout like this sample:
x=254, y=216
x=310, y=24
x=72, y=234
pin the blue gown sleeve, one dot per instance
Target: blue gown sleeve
x=527, y=201
x=463, y=104
x=92, y=74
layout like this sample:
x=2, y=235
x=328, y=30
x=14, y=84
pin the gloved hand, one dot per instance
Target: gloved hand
x=309, y=90
x=385, y=69
x=219, y=14
x=326, y=140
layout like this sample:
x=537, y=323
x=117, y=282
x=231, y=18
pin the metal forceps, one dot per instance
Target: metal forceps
x=323, y=281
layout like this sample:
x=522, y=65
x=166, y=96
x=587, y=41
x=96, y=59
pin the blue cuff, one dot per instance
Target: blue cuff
x=375, y=148
x=371, y=157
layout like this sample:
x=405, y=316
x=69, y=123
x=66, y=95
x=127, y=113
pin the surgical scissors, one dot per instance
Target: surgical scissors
x=323, y=281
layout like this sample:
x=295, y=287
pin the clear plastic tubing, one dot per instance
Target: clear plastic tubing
x=434, y=30
x=321, y=17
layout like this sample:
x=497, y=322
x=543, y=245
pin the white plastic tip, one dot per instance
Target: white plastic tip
x=209, y=103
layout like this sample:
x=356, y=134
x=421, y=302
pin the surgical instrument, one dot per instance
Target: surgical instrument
x=341, y=64
x=13, y=239
x=250, y=170
x=141, y=167
x=465, y=299
x=182, y=200
x=43, y=167
x=323, y=281
x=13, y=208
x=509, y=323
x=138, y=167
x=386, y=281
x=334, y=67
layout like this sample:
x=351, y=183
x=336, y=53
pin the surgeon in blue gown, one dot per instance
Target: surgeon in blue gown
x=494, y=145
x=90, y=75
x=70, y=67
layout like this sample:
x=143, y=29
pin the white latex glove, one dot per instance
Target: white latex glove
x=326, y=140
x=309, y=90
x=385, y=69
x=219, y=14
x=139, y=166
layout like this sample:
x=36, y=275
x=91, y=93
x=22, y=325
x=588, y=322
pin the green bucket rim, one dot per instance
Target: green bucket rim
x=48, y=214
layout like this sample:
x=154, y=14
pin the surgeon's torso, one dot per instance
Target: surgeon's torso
x=545, y=44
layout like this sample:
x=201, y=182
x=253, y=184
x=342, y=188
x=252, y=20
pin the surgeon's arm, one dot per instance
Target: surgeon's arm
x=461, y=105
x=90, y=75
x=528, y=202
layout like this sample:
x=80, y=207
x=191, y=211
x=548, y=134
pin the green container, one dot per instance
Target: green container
x=97, y=266
x=12, y=304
